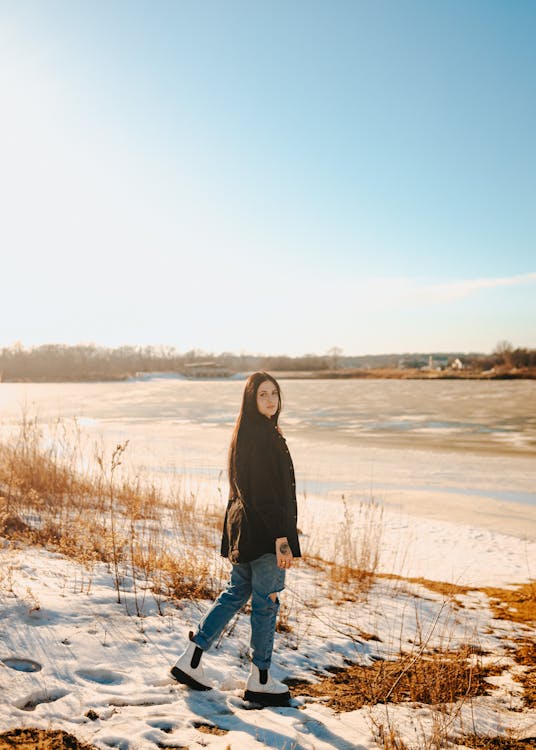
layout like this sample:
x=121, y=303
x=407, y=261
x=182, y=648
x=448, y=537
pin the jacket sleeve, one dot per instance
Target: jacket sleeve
x=260, y=477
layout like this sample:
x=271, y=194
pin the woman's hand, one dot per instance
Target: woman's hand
x=283, y=553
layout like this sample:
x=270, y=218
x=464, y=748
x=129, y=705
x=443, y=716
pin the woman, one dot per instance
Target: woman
x=260, y=538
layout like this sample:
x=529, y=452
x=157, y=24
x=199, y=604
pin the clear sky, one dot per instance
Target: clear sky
x=277, y=176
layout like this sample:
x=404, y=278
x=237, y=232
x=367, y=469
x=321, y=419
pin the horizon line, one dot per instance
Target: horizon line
x=332, y=352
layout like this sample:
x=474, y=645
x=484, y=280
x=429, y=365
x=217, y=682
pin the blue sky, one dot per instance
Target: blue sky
x=278, y=177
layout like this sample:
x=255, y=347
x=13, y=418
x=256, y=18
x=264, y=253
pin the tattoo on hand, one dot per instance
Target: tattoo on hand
x=284, y=549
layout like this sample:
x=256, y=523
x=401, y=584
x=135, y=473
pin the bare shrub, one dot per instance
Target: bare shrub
x=283, y=624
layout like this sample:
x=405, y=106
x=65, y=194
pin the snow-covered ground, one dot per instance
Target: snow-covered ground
x=102, y=673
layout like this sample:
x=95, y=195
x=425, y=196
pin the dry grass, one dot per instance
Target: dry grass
x=495, y=743
x=389, y=739
x=356, y=552
x=517, y=604
x=525, y=656
x=444, y=680
x=95, y=514
x=41, y=739
x=448, y=590
x=283, y=624
x=434, y=679
x=209, y=728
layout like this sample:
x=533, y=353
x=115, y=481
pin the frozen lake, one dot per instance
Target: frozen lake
x=456, y=450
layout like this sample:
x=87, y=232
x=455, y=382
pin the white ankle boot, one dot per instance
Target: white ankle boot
x=188, y=669
x=262, y=688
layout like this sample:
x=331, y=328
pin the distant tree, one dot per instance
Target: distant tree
x=523, y=357
x=334, y=354
x=504, y=350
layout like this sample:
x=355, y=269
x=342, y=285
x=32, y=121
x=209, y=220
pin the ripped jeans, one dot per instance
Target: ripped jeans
x=258, y=579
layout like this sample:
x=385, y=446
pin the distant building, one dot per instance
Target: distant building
x=457, y=364
x=436, y=363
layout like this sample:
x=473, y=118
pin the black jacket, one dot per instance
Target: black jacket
x=264, y=506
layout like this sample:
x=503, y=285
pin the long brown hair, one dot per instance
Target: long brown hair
x=250, y=417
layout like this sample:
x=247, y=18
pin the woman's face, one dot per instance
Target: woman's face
x=267, y=398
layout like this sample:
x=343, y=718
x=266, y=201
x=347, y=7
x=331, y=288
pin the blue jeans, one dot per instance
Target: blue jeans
x=258, y=579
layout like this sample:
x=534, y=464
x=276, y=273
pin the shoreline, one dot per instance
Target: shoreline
x=386, y=373
x=382, y=373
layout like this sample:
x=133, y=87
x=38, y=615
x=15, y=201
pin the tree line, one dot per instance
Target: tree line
x=60, y=362
x=504, y=355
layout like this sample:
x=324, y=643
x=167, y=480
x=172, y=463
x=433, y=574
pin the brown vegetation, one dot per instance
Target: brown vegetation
x=413, y=373
x=479, y=742
x=356, y=551
x=41, y=739
x=443, y=680
x=525, y=655
x=448, y=590
x=434, y=679
x=209, y=728
x=98, y=517
x=517, y=604
x=389, y=739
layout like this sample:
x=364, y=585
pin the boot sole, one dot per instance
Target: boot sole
x=267, y=699
x=186, y=679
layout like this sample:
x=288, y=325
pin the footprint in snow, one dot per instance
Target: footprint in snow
x=101, y=676
x=162, y=724
x=22, y=665
x=30, y=701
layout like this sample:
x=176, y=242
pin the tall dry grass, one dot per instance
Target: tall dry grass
x=52, y=494
x=356, y=549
